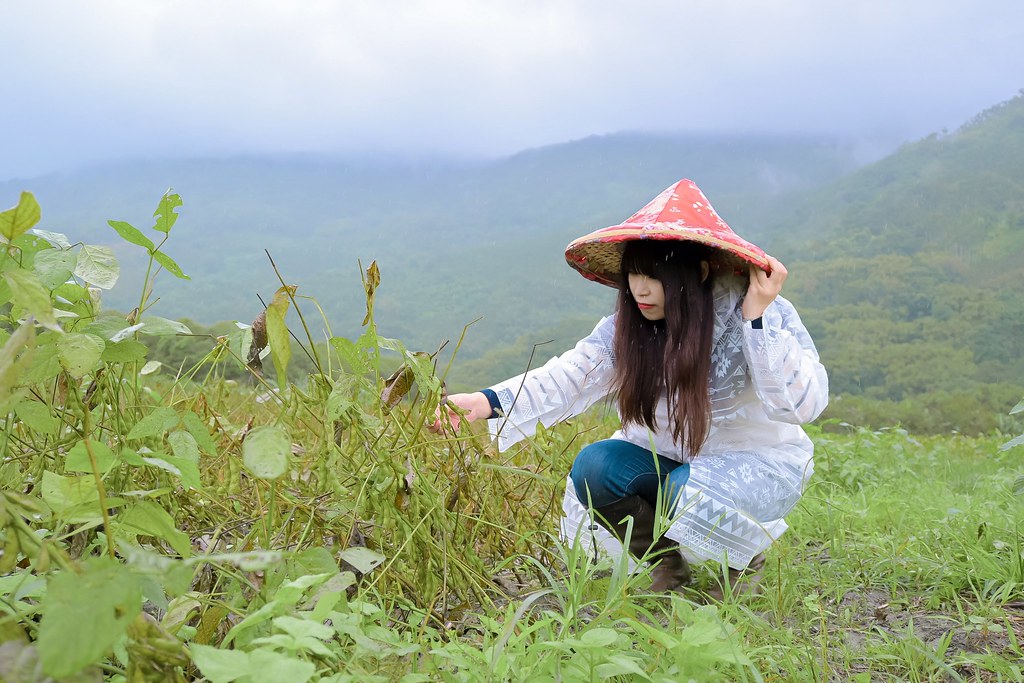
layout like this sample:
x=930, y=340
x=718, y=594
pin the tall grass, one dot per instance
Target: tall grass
x=164, y=524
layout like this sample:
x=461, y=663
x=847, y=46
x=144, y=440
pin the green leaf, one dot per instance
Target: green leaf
x=277, y=333
x=28, y=292
x=162, y=327
x=351, y=355
x=45, y=365
x=70, y=494
x=78, y=457
x=57, y=239
x=185, y=470
x=54, y=267
x=165, y=216
x=132, y=234
x=37, y=416
x=97, y=266
x=16, y=356
x=1018, y=486
x=170, y=265
x=84, y=614
x=271, y=667
x=219, y=666
x=1017, y=408
x=197, y=429
x=127, y=351
x=16, y=220
x=154, y=424
x=72, y=292
x=79, y=353
x=107, y=326
x=184, y=445
x=146, y=518
x=266, y=451
x=363, y=559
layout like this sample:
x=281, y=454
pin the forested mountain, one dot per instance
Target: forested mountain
x=909, y=272
x=455, y=241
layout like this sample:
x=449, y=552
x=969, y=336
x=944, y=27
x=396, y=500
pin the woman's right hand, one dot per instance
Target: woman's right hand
x=474, y=407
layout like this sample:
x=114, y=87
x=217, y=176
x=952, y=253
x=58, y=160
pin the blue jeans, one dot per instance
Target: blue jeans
x=607, y=471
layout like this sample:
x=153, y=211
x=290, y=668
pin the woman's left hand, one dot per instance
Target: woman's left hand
x=763, y=288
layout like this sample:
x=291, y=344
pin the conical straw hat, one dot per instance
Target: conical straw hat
x=681, y=212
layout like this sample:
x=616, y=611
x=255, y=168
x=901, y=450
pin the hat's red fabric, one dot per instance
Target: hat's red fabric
x=681, y=212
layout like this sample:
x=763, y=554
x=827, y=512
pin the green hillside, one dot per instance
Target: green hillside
x=455, y=242
x=910, y=273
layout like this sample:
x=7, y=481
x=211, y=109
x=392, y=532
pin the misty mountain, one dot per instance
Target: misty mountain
x=455, y=241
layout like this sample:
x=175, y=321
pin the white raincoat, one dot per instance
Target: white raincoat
x=756, y=461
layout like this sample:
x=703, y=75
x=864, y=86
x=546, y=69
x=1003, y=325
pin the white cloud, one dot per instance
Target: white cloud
x=116, y=77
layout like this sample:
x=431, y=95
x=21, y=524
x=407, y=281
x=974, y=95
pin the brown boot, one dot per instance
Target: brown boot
x=671, y=569
x=742, y=581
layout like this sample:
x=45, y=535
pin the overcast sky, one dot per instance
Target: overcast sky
x=95, y=80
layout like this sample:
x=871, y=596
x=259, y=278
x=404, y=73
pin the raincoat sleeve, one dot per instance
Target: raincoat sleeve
x=788, y=377
x=563, y=387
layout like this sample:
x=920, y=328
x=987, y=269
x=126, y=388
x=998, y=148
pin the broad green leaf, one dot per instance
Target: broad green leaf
x=1017, y=408
x=132, y=458
x=84, y=614
x=127, y=351
x=54, y=267
x=57, y=239
x=154, y=424
x=351, y=355
x=184, y=445
x=97, y=266
x=71, y=292
x=162, y=327
x=71, y=498
x=79, y=353
x=599, y=637
x=219, y=666
x=28, y=292
x=303, y=628
x=179, y=611
x=44, y=365
x=1018, y=486
x=37, y=416
x=107, y=326
x=266, y=451
x=16, y=220
x=16, y=356
x=266, y=666
x=363, y=559
x=146, y=518
x=198, y=430
x=150, y=367
x=78, y=457
x=277, y=334
x=165, y=216
x=185, y=470
x=170, y=265
x=132, y=234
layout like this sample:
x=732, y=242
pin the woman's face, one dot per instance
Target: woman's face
x=649, y=296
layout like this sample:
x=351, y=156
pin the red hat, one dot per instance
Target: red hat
x=681, y=212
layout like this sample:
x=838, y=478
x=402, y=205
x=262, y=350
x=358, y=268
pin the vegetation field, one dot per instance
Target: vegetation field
x=169, y=524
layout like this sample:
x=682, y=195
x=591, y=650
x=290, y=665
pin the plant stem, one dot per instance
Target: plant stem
x=100, y=488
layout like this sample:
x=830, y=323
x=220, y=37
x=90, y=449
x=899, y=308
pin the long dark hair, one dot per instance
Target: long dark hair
x=669, y=357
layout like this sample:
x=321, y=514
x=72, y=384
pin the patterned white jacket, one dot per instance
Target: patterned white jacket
x=756, y=461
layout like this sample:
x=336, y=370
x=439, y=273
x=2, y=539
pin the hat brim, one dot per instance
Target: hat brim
x=598, y=255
